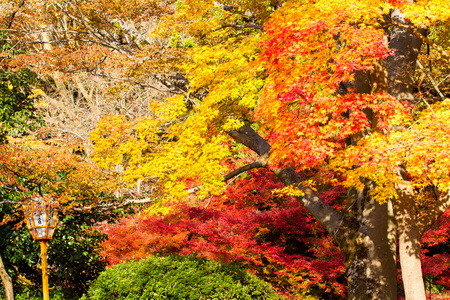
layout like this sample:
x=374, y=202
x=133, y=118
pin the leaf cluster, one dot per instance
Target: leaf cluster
x=18, y=114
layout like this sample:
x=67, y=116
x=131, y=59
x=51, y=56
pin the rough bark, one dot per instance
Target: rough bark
x=409, y=243
x=403, y=63
x=401, y=78
x=7, y=282
x=375, y=243
x=372, y=273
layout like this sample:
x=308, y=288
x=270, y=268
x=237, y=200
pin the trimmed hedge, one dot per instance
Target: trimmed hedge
x=178, y=277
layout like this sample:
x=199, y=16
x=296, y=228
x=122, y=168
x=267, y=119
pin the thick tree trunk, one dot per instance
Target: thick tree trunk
x=7, y=282
x=401, y=78
x=409, y=243
x=403, y=63
x=372, y=272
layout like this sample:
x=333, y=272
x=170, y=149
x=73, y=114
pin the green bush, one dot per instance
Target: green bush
x=177, y=277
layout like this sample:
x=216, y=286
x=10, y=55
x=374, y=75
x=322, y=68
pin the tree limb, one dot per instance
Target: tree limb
x=261, y=163
x=430, y=78
x=329, y=217
x=8, y=202
x=248, y=137
x=61, y=41
x=253, y=26
x=112, y=206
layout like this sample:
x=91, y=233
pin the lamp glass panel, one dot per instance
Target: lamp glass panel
x=51, y=214
x=40, y=218
x=33, y=233
x=41, y=232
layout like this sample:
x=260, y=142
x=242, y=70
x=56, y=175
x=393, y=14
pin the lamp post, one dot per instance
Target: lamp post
x=41, y=219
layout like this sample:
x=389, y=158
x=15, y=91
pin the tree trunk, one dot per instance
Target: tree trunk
x=401, y=74
x=7, y=282
x=402, y=65
x=409, y=243
x=372, y=272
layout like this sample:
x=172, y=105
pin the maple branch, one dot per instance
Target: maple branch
x=112, y=43
x=9, y=202
x=329, y=217
x=113, y=206
x=254, y=26
x=85, y=139
x=45, y=31
x=431, y=215
x=261, y=163
x=416, y=32
x=250, y=138
x=102, y=207
x=60, y=41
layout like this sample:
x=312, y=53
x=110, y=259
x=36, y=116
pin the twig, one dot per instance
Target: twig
x=142, y=85
x=254, y=26
x=112, y=206
x=9, y=202
x=443, y=79
x=431, y=79
x=60, y=41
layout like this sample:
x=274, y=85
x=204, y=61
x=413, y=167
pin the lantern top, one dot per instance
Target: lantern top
x=41, y=218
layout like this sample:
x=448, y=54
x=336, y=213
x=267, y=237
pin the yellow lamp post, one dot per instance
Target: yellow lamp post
x=41, y=219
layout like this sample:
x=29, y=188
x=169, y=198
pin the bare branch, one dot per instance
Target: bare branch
x=113, y=206
x=60, y=41
x=142, y=85
x=431, y=79
x=8, y=202
x=253, y=26
x=45, y=31
x=111, y=43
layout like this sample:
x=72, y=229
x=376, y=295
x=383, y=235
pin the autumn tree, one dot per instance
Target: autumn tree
x=330, y=94
x=323, y=89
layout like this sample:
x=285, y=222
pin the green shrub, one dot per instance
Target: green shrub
x=177, y=277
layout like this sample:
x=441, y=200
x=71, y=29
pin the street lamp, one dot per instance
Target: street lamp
x=41, y=219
